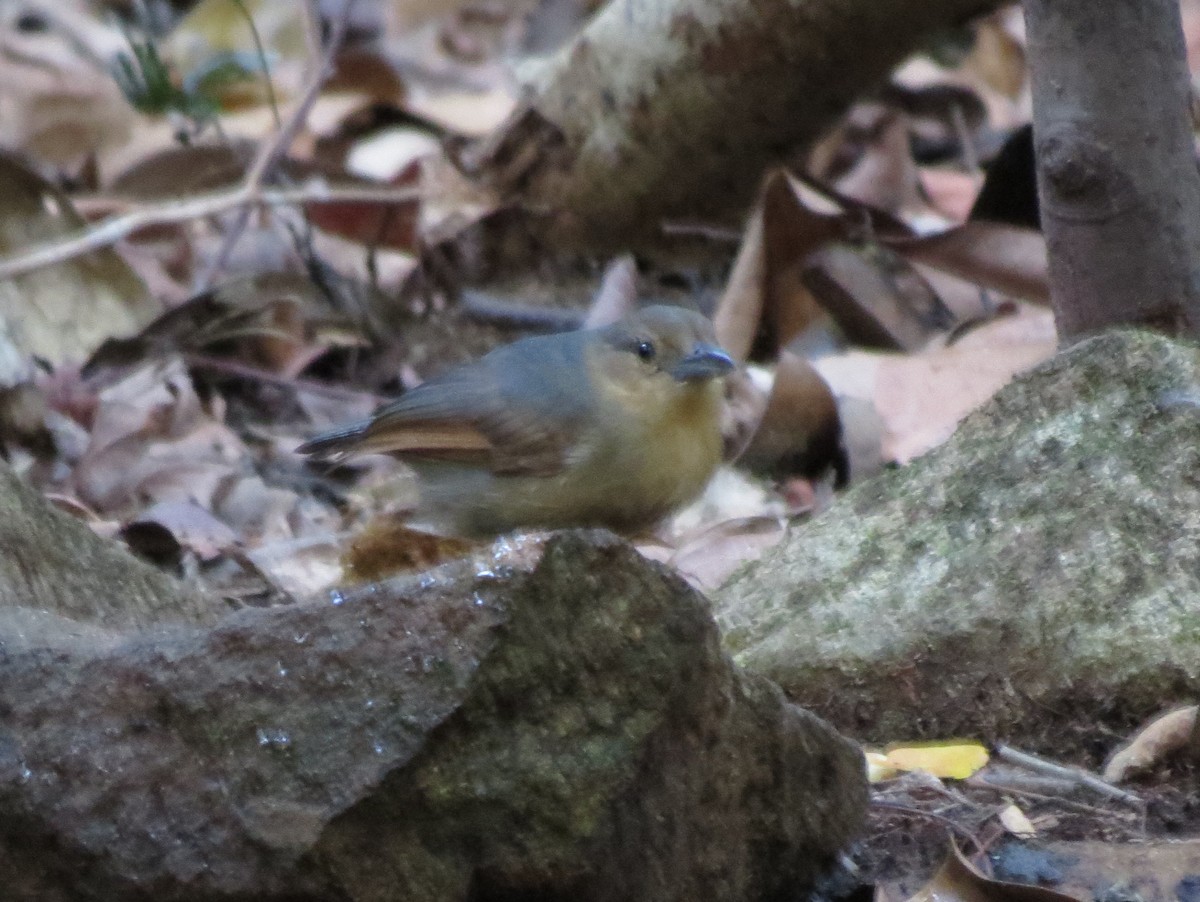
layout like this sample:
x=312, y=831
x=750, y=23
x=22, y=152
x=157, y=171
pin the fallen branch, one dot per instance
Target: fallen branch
x=110, y=231
x=1011, y=788
x=1076, y=774
x=671, y=111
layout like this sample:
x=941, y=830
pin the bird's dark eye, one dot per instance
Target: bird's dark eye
x=645, y=350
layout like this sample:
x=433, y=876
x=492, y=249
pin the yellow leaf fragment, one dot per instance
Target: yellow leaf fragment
x=878, y=768
x=948, y=760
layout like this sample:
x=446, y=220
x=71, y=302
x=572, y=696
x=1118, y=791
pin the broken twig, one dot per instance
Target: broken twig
x=1077, y=774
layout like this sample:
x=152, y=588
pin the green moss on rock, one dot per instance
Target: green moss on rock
x=1048, y=555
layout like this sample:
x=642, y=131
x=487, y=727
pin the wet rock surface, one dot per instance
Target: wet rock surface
x=570, y=732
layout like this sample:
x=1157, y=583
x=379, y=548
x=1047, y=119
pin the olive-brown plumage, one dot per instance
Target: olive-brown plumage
x=616, y=427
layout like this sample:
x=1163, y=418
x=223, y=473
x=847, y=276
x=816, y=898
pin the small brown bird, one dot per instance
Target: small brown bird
x=615, y=427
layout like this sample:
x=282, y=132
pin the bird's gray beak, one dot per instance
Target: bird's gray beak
x=705, y=362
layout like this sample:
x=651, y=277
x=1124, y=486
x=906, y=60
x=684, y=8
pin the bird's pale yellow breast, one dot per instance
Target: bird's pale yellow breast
x=662, y=436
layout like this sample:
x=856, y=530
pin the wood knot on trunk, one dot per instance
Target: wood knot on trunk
x=1081, y=179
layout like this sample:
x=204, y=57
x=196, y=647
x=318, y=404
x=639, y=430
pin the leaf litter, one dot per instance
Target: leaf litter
x=157, y=387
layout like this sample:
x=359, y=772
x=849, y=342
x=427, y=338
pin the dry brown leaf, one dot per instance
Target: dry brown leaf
x=258, y=512
x=877, y=298
x=278, y=321
x=1006, y=258
x=709, y=558
x=799, y=433
x=152, y=440
x=186, y=523
x=61, y=313
x=387, y=547
x=138, y=470
x=998, y=55
x=957, y=880
x=986, y=106
x=950, y=192
x=1163, y=737
x=921, y=398
x=387, y=154
x=765, y=303
x=59, y=104
x=367, y=72
x=299, y=568
x=182, y=171
x=885, y=175
x=617, y=296
x=740, y=310
x=386, y=225
x=770, y=298
x=1016, y=822
x=742, y=413
x=23, y=416
x=157, y=397
x=736, y=520
x=472, y=114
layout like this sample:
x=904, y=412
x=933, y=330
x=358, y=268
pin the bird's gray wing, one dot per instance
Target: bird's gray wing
x=518, y=410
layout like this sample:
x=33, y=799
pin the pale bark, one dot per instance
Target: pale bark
x=1117, y=177
x=672, y=109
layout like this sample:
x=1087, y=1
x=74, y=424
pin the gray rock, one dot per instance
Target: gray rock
x=574, y=732
x=1039, y=571
x=50, y=562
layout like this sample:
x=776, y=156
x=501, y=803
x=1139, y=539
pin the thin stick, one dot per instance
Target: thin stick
x=702, y=230
x=1006, y=789
x=114, y=229
x=312, y=192
x=1077, y=774
x=882, y=805
x=484, y=308
x=272, y=151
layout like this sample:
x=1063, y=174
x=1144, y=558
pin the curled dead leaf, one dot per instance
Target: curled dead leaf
x=957, y=880
x=800, y=432
x=185, y=523
x=878, y=298
x=1016, y=822
x=1166, y=735
x=768, y=301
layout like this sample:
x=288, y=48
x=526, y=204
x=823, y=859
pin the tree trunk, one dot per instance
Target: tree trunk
x=673, y=109
x=1117, y=177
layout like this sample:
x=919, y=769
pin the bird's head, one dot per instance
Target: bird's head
x=666, y=342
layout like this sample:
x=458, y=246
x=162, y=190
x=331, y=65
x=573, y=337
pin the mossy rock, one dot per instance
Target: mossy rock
x=1036, y=575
